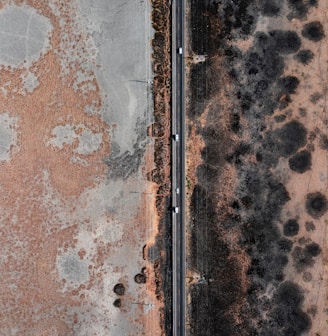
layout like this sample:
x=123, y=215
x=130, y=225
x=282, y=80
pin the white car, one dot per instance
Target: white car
x=176, y=209
x=177, y=190
x=176, y=137
x=180, y=51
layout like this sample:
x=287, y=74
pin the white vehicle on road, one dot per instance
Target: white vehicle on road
x=180, y=51
x=177, y=190
x=176, y=137
x=175, y=209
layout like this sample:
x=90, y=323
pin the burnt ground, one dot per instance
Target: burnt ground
x=256, y=200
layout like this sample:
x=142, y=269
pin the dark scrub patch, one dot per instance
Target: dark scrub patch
x=260, y=230
x=313, y=249
x=284, y=141
x=284, y=100
x=214, y=297
x=285, y=41
x=207, y=175
x=290, y=137
x=253, y=79
x=312, y=310
x=323, y=142
x=287, y=317
x=299, y=9
x=140, y=278
x=302, y=112
x=288, y=84
x=315, y=97
x=199, y=77
x=313, y=134
x=316, y=204
x=302, y=258
x=264, y=58
x=313, y=3
x=285, y=245
x=237, y=19
x=119, y=289
x=309, y=226
x=291, y=228
x=313, y=31
x=270, y=8
x=232, y=52
x=280, y=118
x=247, y=201
x=300, y=162
x=307, y=276
x=303, y=240
x=304, y=56
x=235, y=122
x=289, y=295
x=117, y=303
x=261, y=88
x=201, y=25
x=236, y=157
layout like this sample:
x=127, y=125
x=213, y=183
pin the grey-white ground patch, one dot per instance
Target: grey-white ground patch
x=61, y=135
x=88, y=142
x=8, y=135
x=24, y=35
x=30, y=82
x=72, y=268
x=121, y=31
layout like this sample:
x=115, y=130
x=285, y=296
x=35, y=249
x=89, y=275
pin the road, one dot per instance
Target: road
x=178, y=169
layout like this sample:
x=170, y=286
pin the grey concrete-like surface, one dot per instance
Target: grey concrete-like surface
x=8, y=135
x=121, y=31
x=24, y=35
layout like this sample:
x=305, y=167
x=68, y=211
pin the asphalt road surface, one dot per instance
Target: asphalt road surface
x=178, y=168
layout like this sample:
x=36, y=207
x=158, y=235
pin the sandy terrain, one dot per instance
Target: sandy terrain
x=258, y=188
x=78, y=213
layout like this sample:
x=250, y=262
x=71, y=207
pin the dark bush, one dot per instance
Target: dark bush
x=323, y=143
x=302, y=259
x=140, y=278
x=117, y=303
x=313, y=249
x=316, y=204
x=304, y=56
x=270, y=8
x=280, y=118
x=285, y=41
x=288, y=84
x=300, y=162
x=309, y=226
x=119, y=289
x=285, y=245
x=289, y=138
x=289, y=295
x=299, y=8
x=313, y=31
x=291, y=228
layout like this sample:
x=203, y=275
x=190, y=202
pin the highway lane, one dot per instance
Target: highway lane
x=178, y=169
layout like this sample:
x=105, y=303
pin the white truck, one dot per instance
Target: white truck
x=175, y=209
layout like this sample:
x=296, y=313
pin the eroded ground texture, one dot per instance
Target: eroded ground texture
x=258, y=191
x=78, y=213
